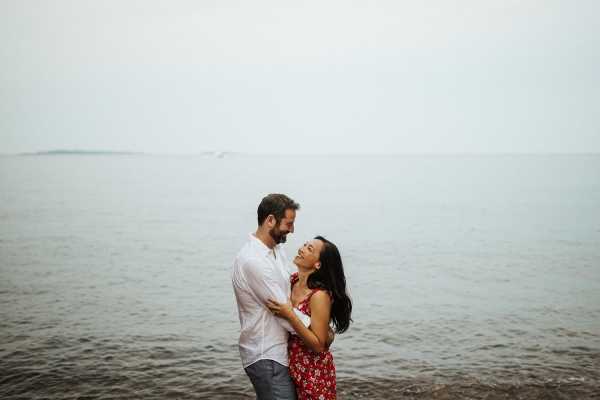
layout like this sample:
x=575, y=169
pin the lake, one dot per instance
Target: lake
x=467, y=272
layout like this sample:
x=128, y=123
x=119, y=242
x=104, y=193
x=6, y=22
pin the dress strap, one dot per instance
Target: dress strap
x=311, y=293
x=318, y=289
x=294, y=278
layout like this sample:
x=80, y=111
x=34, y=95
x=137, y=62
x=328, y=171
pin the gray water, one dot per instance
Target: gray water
x=114, y=270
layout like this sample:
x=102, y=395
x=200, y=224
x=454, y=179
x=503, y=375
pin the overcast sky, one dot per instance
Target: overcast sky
x=300, y=76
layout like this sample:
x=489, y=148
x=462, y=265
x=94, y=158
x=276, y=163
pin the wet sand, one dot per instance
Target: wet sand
x=16, y=385
x=468, y=389
x=471, y=389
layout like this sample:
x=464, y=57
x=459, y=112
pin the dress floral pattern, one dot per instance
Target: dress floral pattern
x=313, y=373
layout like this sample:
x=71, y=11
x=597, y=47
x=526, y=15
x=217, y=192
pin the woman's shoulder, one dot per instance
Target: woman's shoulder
x=321, y=296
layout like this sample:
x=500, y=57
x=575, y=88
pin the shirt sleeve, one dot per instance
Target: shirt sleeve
x=302, y=317
x=262, y=282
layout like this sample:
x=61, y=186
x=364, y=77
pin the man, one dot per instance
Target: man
x=260, y=272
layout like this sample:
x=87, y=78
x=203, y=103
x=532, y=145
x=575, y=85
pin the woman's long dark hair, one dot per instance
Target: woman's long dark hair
x=331, y=277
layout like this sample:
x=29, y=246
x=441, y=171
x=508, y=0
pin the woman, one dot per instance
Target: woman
x=319, y=291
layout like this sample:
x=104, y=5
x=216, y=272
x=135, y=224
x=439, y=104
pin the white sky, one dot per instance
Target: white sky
x=300, y=76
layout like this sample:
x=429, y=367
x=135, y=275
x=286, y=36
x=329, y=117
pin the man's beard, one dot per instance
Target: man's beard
x=277, y=235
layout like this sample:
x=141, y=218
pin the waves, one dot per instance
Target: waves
x=159, y=367
x=148, y=367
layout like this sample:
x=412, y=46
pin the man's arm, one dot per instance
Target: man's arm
x=263, y=283
x=319, y=335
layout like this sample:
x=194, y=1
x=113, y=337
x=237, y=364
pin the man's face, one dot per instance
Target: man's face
x=285, y=226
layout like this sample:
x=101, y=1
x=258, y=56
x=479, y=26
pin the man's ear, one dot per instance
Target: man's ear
x=271, y=220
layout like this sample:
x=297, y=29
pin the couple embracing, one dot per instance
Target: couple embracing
x=285, y=316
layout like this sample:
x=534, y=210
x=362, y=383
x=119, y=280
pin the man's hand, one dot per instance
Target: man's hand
x=282, y=310
x=330, y=337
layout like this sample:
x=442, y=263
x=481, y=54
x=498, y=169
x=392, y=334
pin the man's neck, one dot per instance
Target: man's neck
x=264, y=237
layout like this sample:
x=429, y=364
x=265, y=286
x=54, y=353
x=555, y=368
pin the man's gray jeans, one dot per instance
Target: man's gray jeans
x=271, y=381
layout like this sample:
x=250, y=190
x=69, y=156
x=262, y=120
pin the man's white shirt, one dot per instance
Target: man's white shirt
x=259, y=274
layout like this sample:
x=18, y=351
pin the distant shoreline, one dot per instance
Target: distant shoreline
x=79, y=152
x=61, y=152
x=222, y=154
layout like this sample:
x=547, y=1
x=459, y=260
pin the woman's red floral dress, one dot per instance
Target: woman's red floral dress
x=313, y=373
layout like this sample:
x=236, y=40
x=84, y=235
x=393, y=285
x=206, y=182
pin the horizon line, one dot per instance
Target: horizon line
x=222, y=153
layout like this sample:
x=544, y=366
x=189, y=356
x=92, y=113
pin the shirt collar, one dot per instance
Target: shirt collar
x=262, y=248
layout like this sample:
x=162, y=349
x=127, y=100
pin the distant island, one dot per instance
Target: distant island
x=60, y=152
x=80, y=152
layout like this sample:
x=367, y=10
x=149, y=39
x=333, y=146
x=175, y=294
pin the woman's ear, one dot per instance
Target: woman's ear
x=318, y=265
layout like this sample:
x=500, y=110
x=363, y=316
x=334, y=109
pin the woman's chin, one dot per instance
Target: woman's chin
x=305, y=269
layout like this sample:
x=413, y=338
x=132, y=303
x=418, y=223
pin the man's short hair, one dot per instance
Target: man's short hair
x=276, y=204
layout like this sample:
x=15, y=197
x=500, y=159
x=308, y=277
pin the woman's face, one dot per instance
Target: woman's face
x=308, y=255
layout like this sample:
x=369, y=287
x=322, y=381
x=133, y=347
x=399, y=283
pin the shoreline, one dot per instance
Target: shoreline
x=19, y=385
x=468, y=388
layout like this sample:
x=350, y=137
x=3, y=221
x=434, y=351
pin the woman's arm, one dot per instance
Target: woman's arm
x=317, y=335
